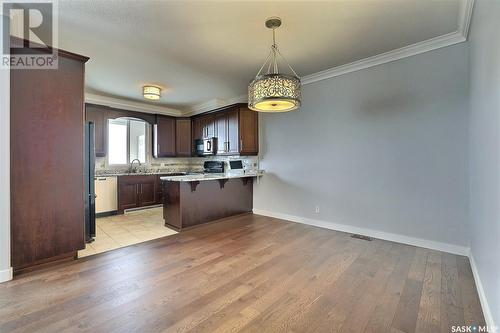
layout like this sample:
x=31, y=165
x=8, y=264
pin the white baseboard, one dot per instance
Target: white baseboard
x=433, y=245
x=5, y=275
x=482, y=295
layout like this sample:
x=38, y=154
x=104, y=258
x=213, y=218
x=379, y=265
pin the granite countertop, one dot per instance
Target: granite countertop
x=212, y=176
x=141, y=173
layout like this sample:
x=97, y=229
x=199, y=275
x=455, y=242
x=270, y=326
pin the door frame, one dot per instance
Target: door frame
x=5, y=263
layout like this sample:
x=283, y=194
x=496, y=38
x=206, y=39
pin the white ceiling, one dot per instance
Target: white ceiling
x=205, y=50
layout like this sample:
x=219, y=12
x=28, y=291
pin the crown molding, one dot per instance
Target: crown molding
x=215, y=104
x=205, y=106
x=458, y=36
x=404, y=52
x=130, y=105
x=465, y=16
x=238, y=99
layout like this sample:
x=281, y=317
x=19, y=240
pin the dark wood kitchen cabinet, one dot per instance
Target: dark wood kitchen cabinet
x=221, y=131
x=98, y=115
x=47, y=162
x=208, y=123
x=183, y=137
x=128, y=193
x=233, y=144
x=196, y=133
x=248, y=131
x=202, y=127
x=236, y=128
x=136, y=191
x=197, y=128
x=147, y=192
x=227, y=132
x=164, y=137
x=205, y=127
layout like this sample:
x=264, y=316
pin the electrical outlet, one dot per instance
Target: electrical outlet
x=316, y=209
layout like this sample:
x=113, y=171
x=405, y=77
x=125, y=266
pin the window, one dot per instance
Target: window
x=126, y=141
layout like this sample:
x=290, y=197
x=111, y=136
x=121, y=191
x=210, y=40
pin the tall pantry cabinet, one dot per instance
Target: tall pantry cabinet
x=47, y=162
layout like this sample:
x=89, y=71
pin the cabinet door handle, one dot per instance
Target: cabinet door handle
x=137, y=189
x=241, y=144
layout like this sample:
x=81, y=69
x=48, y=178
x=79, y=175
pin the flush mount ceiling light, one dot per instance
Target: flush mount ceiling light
x=273, y=91
x=151, y=92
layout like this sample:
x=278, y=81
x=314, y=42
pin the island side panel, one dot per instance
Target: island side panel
x=171, y=204
x=210, y=202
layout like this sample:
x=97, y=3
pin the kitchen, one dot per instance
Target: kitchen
x=135, y=152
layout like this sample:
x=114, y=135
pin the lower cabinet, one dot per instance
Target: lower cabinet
x=147, y=194
x=136, y=191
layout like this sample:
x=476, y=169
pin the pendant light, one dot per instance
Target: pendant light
x=274, y=91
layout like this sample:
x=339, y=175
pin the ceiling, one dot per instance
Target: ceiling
x=206, y=50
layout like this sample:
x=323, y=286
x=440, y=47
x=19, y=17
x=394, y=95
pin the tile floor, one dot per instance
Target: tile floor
x=130, y=228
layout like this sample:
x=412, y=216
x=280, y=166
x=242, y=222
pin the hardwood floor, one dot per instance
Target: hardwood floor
x=248, y=274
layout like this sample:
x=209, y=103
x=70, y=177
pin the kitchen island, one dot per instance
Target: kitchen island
x=191, y=200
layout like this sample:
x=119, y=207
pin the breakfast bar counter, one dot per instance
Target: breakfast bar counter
x=191, y=200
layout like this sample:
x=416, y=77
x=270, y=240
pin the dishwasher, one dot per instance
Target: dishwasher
x=106, y=192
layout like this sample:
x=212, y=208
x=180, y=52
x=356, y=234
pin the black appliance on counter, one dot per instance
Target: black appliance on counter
x=236, y=165
x=213, y=167
x=206, y=146
x=89, y=174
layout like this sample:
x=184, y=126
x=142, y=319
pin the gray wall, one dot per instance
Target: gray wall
x=383, y=148
x=485, y=148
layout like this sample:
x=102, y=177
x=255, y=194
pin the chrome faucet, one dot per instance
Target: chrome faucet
x=132, y=164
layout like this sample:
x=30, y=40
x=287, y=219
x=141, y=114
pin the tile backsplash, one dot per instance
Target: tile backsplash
x=177, y=164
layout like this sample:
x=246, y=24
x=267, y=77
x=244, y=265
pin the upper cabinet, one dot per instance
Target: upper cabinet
x=249, y=131
x=207, y=124
x=164, y=137
x=227, y=129
x=183, y=137
x=233, y=130
x=98, y=116
x=236, y=128
x=202, y=127
x=221, y=130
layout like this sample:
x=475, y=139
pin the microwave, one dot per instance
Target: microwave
x=206, y=146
